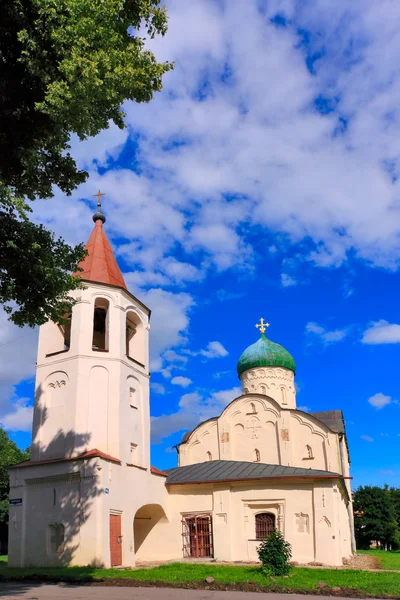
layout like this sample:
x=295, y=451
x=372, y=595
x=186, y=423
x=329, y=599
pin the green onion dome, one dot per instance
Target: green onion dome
x=265, y=353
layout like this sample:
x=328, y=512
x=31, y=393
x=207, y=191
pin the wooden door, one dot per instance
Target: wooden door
x=115, y=540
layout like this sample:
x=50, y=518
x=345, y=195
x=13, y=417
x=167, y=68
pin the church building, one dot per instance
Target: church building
x=89, y=495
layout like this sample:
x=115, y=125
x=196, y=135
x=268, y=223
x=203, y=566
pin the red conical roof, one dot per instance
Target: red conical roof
x=100, y=265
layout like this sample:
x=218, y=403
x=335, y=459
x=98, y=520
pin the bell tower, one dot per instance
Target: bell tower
x=92, y=377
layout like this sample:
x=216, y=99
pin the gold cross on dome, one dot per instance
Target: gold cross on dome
x=262, y=326
x=98, y=196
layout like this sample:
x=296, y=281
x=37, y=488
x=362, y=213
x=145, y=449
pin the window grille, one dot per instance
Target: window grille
x=265, y=525
x=197, y=535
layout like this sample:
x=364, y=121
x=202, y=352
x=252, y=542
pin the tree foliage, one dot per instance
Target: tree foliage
x=10, y=454
x=67, y=67
x=376, y=516
x=275, y=553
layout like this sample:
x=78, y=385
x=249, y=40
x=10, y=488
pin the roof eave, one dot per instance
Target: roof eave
x=277, y=478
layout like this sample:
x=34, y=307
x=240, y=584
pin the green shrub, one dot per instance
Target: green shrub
x=274, y=553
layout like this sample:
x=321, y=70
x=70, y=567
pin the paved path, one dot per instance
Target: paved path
x=16, y=591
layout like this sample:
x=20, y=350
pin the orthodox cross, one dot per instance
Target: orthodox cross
x=98, y=196
x=252, y=426
x=262, y=326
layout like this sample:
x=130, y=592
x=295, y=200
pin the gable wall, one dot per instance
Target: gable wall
x=255, y=422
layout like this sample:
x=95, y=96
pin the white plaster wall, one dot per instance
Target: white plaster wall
x=86, y=493
x=256, y=422
x=233, y=507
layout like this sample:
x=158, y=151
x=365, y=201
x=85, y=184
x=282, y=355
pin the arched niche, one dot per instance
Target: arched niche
x=55, y=387
x=135, y=338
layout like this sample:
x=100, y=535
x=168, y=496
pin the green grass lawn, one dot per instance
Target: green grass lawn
x=376, y=584
x=389, y=560
x=3, y=558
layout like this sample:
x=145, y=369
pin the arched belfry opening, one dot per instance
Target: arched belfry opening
x=134, y=332
x=59, y=336
x=65, y=329
x=100, y=340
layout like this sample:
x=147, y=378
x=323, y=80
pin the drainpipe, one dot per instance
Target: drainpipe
x=349, y=505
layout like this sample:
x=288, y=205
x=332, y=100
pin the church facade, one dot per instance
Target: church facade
x=89, y=494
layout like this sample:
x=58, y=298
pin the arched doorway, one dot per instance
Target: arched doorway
x=148, y=522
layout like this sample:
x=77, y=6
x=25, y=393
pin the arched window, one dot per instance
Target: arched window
x=209, y=456
x=265, y=525
x=135, y=338
x=256, y=456
x=253, y=407
x=308, y=452
x=100, y=325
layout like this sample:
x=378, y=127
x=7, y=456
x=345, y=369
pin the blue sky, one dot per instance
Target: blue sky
x=262, y=181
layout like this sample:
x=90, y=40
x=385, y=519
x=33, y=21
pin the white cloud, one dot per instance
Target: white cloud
x=193, y=409
x=287, y=280
x=380, y=400
x=18, y=348
x=304, y=408
x=20, y=417
x=158, y=388
x=381, y=332
x=367, y=438
x=169, y=321
x=387, y=472
x=234, y=143
x=214, y=350
x=324, y=335
x=182, y=381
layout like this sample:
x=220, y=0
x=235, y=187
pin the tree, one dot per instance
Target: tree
x=10, y=454
x=67, y=67
x=274, y=553
x=375, y=517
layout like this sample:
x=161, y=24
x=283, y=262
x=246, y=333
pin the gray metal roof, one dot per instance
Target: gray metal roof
x=237, y=470
x=332, y=418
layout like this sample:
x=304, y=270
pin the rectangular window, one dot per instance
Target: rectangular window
x=132, y=397
x=57, y=538
x=134, y=454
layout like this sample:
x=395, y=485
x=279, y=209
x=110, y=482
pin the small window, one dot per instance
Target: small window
x=253, y=407
x=265, y=525
x=308, y=452
x=284, y=399
x=134, y=454
x=256, y=456
x=132, y=397
x=209, y=456
x=57, y=538
x=100, y=325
